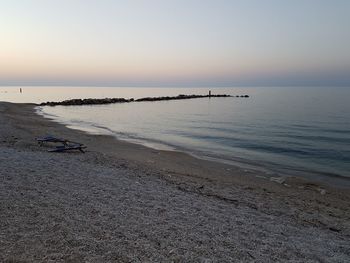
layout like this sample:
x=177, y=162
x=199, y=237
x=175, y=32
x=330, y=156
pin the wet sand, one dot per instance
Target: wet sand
x=123, y=202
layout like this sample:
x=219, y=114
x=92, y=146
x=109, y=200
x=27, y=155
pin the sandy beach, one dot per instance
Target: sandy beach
x=122, y=202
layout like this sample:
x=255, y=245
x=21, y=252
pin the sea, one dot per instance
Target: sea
x=280, y=131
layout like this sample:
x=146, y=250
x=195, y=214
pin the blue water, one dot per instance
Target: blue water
x=281, y=131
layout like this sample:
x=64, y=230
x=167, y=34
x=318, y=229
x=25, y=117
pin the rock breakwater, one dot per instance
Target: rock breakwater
x=74, y=102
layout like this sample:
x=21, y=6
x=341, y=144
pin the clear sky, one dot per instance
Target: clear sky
x=175, y=42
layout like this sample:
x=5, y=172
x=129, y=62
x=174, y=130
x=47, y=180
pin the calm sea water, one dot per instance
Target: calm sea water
x=281, y=131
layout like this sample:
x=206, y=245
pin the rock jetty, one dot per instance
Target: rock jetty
x=74, y=102
x=182, y=97
x=86, y=102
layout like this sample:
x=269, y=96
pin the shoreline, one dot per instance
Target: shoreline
x=259, y=169
x=156, y=200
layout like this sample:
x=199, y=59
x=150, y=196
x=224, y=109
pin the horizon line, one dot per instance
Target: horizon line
x=170, y=86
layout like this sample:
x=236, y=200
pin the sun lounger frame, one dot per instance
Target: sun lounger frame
x=50, y=138
x=66, y=144
x=68, y=147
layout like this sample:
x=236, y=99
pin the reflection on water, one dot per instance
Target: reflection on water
x=296, y=131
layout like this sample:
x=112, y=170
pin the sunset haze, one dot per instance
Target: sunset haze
x=175, y=43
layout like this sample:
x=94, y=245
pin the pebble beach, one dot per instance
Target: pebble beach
x=122, y=202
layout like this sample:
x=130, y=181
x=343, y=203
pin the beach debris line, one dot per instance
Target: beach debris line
x=90, y=101
x=67, y=145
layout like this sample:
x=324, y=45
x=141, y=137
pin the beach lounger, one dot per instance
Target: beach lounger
x=50, y=138
x=69, y=147
x=67, y=144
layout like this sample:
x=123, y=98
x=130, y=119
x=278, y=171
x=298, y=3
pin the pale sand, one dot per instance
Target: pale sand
x=122, y=202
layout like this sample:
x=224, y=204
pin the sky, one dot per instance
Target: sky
x=175, y=42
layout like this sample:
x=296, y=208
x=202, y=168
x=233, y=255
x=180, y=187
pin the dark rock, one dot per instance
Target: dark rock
x=334, y=229
x=90, y=101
